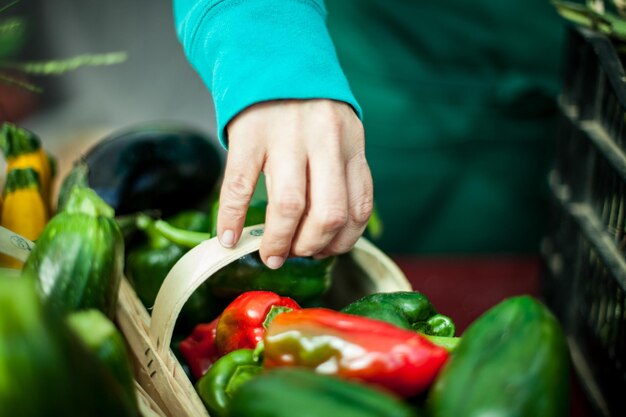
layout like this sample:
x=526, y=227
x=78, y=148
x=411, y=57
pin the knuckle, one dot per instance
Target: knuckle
x=338, y=248
x=333, y=119
x=334, y=126
x=358, y=134
x=332, y=219
x=304, y=250
x=290, y=205
x=357, y=156
x=238, y=188
x=307, y=247
x=362, y=211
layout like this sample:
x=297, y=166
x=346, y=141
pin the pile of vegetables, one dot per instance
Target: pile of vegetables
x=56, y=334
x=256, y=342
x=265, y=355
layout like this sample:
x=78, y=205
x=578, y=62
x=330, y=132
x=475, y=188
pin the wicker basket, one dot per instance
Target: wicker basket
x=164, y=388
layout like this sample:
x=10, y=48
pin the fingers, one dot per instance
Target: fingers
x=243, y=167
x=360, y=206
x=327, y=212
x=286, y=185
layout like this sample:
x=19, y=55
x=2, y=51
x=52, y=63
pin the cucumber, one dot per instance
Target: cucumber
x=512, y=361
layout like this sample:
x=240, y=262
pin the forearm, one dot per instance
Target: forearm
x=259, y=50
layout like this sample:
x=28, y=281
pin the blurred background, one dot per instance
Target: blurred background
x=80, y=107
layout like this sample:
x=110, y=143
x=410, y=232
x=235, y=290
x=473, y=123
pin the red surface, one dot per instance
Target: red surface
x=464, y=288
x=15, y=102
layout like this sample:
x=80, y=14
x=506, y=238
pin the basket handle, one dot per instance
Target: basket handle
x=201, y=262
x=191, y=271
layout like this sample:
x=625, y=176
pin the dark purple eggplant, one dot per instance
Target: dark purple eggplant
x=151, y=166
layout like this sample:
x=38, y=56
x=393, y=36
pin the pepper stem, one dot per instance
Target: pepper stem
x=448, y=343
x=274, y=311
x=181, y=237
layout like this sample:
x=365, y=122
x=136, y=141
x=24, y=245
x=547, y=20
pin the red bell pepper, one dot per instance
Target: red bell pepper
x=199, y=348
x=242, y=323
x=372, y=351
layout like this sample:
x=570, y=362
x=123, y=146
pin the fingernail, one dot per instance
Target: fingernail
x=275, y=262
x=320, y=256
x=228, y=239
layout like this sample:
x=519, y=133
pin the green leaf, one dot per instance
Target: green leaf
x=61, y=66
x=7, y=79
x=8, y=6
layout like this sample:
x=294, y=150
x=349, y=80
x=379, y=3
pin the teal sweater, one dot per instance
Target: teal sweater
x=286, y=54
x=459, y=102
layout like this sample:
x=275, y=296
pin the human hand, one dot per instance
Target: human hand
x=319, y=186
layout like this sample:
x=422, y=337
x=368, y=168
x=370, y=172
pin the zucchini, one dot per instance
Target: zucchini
x=288, y=391
x=79, y=257
x=44, y=369
x=512, y=361
x=103, y=339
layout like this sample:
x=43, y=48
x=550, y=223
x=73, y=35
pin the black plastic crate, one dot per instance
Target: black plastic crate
x=591, y=143
x=587, y=173
x=595, y=82
x=592, y=158
x=585, y=251
x=586, y=287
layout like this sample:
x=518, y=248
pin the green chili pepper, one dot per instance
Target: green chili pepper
x=178, y=236
x=218, y=385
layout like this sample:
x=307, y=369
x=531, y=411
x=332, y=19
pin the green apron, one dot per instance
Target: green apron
x=459, y=103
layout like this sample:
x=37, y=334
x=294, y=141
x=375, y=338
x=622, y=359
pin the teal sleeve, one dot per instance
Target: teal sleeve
x=249, y=51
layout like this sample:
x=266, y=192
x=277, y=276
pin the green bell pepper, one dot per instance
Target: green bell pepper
x=218, y=385
x=148, y=264
x=405, y=309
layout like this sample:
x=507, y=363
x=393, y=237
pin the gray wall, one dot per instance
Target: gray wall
x=155, y=83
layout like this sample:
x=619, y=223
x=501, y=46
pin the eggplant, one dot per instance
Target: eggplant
x=150, y=166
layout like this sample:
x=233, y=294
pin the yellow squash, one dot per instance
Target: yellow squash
x=23, y=209
x=22, y=149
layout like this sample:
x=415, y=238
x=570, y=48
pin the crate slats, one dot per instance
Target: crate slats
x=587, y=286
